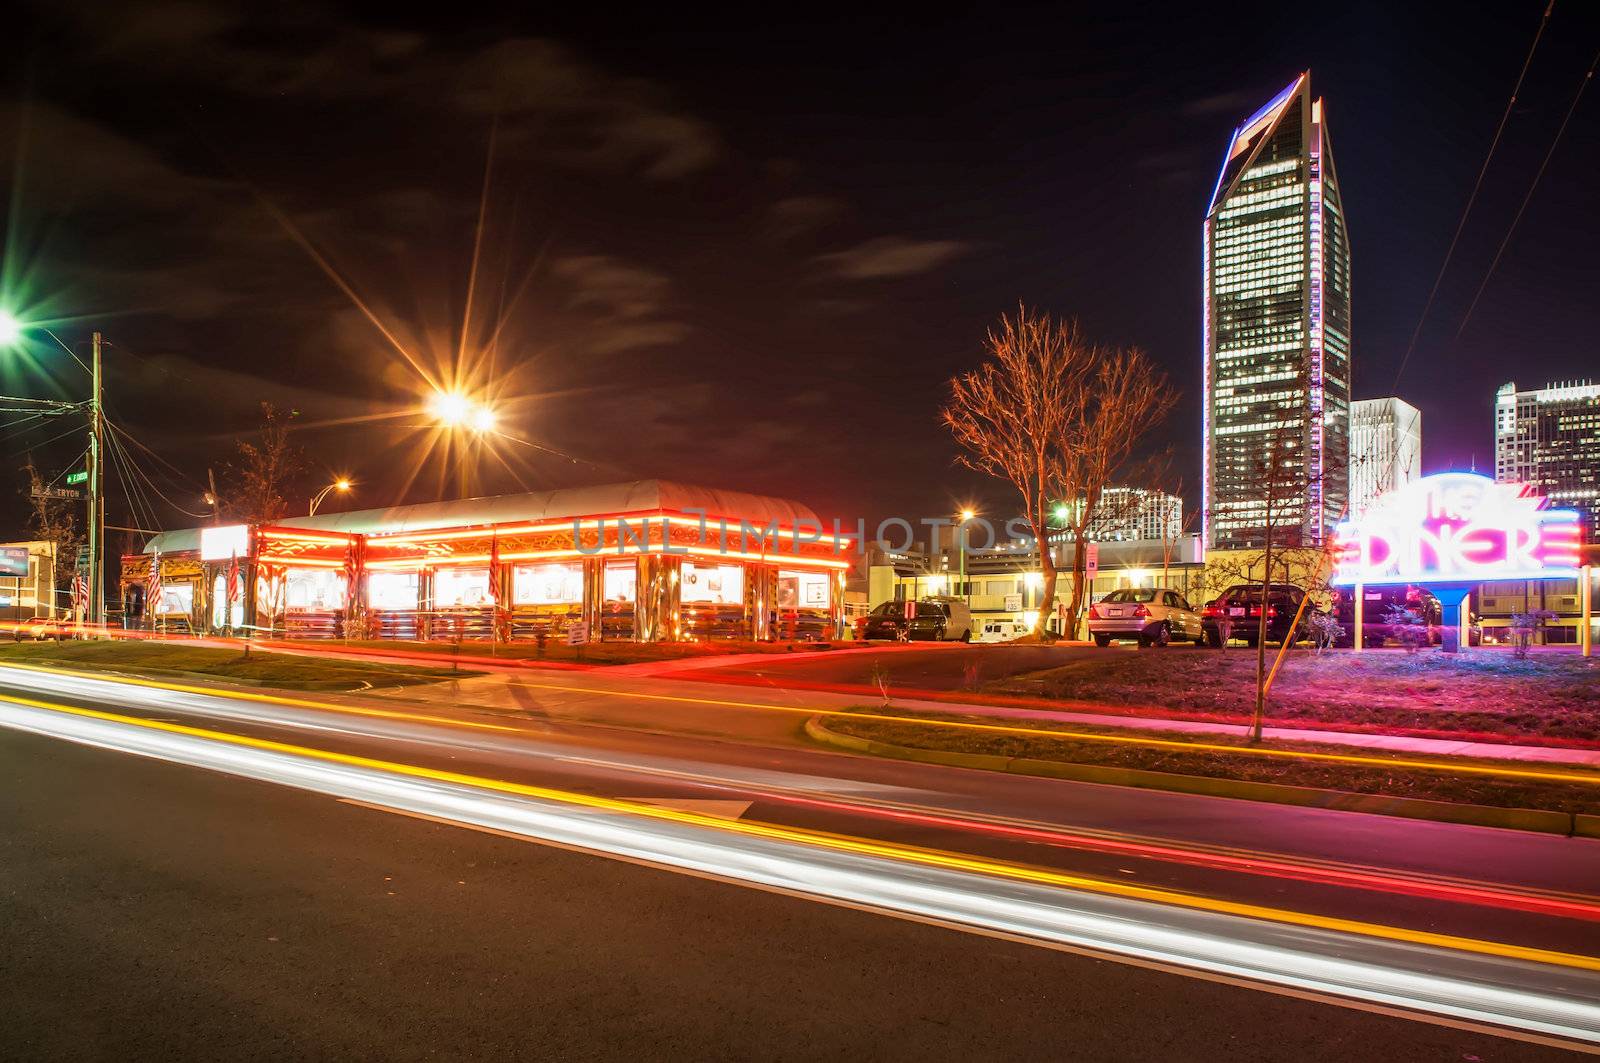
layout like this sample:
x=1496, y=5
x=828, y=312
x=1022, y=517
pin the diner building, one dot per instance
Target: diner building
x=646, y=561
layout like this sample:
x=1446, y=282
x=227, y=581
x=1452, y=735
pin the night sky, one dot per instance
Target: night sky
x=749, y=248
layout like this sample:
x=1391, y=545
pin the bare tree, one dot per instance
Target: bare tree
x=1009, y=416
x=1110, y=408
x=1286, y=507
x=263, y=471
x=55, y=521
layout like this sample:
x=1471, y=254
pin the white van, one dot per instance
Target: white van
x=999, y=631
x=941, y=618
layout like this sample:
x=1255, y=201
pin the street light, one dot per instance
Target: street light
x=341, y=485
x=11, y=331
x=966, y=514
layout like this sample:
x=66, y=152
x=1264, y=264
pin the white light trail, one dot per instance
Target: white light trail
x=1539, y=998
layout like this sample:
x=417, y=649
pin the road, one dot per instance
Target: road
x=143, y=895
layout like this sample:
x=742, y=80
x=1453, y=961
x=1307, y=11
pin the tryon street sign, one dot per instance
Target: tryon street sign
x=56, y=492
x=1458, y=527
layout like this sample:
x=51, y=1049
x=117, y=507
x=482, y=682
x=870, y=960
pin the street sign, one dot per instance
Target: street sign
x=14, y=561
x=1091, y=561
x=56, y=492
x=77, y=477
x=577, y=634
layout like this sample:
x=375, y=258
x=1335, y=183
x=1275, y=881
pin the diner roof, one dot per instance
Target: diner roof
x=635, y=497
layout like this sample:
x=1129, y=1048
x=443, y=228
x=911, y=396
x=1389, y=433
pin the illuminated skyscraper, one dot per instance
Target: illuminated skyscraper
x=1551, y=438
x=1277, y=330
x=1385, y=449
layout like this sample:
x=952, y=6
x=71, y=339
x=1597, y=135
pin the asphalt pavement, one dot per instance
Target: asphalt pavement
x=158, y=911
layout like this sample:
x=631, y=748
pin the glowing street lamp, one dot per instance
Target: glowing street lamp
x=11, y=333
x=340, y=485
x=966, y=514
x=450, y=408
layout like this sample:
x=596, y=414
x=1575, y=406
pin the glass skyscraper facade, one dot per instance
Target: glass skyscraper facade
x=1551, y=438
x=1277, y=332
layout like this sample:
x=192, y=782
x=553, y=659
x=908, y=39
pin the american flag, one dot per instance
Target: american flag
x=152, y=586
x=80, y=592
x=494, y=570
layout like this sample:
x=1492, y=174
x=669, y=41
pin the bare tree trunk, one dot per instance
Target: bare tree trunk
x=1261, y=641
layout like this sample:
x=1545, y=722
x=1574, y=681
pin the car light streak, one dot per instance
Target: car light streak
x=1584, y=778
x=822, y=794
x=1485, y=982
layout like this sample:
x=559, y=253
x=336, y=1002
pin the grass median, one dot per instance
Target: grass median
x=923, y=731
x=1484, y=695
x=257, y=668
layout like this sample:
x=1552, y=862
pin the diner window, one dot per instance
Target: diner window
x=392, y=591
x=622, y=582
x=720, y=584
x=556, y=583
x=461, y=588
x=313, y=590
x=802, y=590
x=176, y=598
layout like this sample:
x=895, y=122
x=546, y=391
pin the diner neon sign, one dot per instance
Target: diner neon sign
x=1458, y=527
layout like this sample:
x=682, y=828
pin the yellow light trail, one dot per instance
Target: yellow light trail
x=1581, y=778
x=844, y=843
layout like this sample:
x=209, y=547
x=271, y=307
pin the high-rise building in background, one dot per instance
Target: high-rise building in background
x=1277, y=326
x=1130, y=513
x=1551, y=438
x=1385, y=448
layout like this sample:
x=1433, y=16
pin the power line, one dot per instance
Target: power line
x=1587, y=77
x=1478, y=184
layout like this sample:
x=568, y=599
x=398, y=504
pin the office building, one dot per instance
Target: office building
x=1385, y=449
x=1276, y=331
x=1551, y=438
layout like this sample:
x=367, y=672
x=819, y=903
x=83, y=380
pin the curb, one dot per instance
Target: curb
x=1569, y=824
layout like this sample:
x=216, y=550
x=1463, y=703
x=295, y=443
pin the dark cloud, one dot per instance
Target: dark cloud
x=800, y=215
x=886, y=257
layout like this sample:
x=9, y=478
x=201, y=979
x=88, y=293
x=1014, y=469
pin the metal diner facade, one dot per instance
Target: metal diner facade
x=648, y=561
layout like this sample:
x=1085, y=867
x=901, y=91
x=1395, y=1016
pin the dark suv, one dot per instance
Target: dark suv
x=1236, y=613
x=886, y=621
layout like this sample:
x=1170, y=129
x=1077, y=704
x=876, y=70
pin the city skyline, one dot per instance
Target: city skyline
x=703, y=247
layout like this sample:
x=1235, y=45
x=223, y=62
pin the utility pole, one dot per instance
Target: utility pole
x=96, y=503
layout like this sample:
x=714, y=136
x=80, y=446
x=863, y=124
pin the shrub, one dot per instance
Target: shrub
x=1407, y=626
x=1524, y=626
x=1324, y=630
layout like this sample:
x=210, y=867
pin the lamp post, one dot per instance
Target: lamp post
x=11, y=331
x=961, y=548
x=341, y=485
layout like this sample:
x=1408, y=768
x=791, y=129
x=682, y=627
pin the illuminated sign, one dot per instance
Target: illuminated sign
x=1458, y=527
x=219, y=544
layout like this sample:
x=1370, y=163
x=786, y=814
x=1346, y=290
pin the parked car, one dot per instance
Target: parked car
x=42, y=629
x=941, y=619
x=1152, y=615
x=1236, y=613
x=999, y=631
x=887, y=621
x=1379, y=601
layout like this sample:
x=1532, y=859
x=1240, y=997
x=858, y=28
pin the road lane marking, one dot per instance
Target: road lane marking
x=841, y=843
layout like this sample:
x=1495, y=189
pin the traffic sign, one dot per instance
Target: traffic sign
x=1091, y=561
x=577, y=634
x=77, y=477
x=56, y=492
